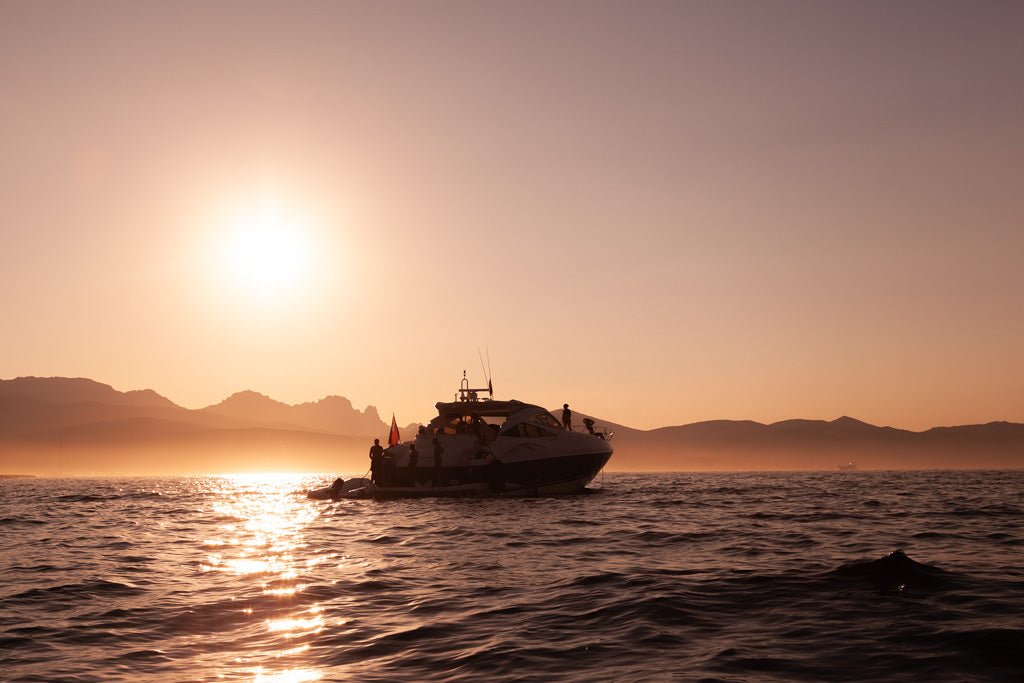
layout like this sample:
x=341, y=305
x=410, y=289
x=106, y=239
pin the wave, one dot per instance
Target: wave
x=382, y=539
x=19, y=521
x=896, y=572
x=99, y=498
x=922, y=535
x=86, y=589
x=660, y=538
x=823, y=516
x=21, y=643
x=994, y=510
x=29, y=569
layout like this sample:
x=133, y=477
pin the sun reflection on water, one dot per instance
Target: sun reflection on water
x=287, y=676
x=294, y=627
x=262, y=542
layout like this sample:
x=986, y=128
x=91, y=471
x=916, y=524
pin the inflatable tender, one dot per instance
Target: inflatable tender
x=340, y=489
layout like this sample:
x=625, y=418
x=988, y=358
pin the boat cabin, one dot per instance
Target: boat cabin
x=489, y=420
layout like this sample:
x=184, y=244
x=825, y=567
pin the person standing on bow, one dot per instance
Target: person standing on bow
x=566, y=417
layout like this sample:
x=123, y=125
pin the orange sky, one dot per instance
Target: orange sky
x=658, y=212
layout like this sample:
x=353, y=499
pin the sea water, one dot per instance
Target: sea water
x=661, y=577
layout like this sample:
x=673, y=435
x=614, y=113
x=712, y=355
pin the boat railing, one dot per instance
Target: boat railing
x=599, y=432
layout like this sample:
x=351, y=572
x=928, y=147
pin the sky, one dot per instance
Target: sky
x=658, y=212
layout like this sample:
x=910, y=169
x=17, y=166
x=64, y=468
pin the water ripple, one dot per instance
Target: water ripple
x=729, y=577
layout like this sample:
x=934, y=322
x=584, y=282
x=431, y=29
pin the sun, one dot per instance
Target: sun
x=267, y=251
x=268, y=254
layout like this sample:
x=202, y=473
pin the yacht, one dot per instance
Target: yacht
x=491, y=447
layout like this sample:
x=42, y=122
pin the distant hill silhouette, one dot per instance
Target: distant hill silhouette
x=79, y=390
x=333, y=414
x=33, y=405
x=79, y=426
x=820, y=444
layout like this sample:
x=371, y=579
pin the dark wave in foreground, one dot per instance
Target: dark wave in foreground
x=898, y=572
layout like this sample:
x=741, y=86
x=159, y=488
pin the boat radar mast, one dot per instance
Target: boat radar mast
x=469, y=395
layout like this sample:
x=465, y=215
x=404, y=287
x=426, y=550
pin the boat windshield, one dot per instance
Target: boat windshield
x=528, y=430
x=484, y=419
x=545, y=419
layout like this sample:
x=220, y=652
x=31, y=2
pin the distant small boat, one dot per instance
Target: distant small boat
x=848, y=467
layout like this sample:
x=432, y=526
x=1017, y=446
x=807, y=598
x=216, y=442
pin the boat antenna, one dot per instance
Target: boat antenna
x=482, y=363
x=490, y=387
x=486, y=369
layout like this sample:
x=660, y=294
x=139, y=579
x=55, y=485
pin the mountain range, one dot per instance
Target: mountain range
x=820, y=445
x=79, y=426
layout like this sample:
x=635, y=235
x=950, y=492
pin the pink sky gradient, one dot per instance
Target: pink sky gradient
x=659, y=212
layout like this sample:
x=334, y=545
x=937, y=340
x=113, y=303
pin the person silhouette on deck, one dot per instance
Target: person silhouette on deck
x=376, y=461
x=387, y=469
x=566, y=417
x=414, y=458
x=438, y=462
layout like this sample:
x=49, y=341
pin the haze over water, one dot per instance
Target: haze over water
x=728, y=577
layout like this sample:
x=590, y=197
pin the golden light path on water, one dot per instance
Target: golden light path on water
x=261, y=544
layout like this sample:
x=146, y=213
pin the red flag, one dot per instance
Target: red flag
x=393, y=438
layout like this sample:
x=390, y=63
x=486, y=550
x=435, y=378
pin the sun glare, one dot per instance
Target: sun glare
x=263, y=479
x=267, y=250
x=267, y=254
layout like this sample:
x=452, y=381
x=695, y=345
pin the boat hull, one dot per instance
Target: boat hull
x=538, y=476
